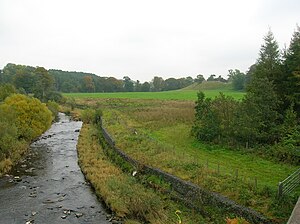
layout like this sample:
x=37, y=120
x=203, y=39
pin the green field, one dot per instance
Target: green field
x=165, y=95
x=157, y=132
x=154, y=128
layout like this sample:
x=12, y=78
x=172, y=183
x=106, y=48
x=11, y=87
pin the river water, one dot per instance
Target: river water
x=48, y=186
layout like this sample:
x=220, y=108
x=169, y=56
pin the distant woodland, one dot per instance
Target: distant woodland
x=28, y=79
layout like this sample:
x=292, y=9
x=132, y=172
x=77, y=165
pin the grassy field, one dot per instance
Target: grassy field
x=166, y=95
x=154, y=128
x=157, y=133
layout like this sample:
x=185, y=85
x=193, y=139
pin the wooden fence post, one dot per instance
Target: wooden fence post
x=280, y=188
x=255, y=182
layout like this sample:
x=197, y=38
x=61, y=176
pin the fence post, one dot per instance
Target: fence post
x=255, y=182
x=280, y=188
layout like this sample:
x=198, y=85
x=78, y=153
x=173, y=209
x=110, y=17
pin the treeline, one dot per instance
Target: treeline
x=86, y=82
x=269, y=113
x=30, y=80
x=45, y=84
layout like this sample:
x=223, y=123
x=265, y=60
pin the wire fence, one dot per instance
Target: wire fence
x=211, y=167
x=289, y=184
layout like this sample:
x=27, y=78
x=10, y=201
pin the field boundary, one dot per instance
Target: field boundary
x=289, y=184
x=190, y=194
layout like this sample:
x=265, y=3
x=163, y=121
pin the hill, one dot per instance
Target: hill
x=209, y=85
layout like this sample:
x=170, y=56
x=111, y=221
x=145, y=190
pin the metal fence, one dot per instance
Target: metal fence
x=289, y=184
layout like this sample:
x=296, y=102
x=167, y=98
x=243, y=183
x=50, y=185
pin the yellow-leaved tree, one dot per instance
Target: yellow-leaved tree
x=32, y=116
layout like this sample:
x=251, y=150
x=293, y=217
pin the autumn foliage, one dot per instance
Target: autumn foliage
x=23, y=119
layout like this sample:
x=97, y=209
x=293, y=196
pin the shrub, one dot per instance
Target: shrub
x=54, y=96
x=32, y=116
x=87, y=116
x=54, y=108
x=97, y=116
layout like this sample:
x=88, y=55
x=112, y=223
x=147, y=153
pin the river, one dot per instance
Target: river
x=47, y=186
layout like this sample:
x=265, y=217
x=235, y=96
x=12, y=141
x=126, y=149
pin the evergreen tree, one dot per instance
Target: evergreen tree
x=268, y=63
x=269, y=67
x=292, y=72
x=258, y=116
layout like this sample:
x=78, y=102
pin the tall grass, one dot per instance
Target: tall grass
x=157, y=133
x=122, y=193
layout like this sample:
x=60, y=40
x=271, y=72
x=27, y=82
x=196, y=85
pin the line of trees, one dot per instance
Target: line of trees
x=86, y=82
x=30, y=80
x=269, y=114
x=45, y=84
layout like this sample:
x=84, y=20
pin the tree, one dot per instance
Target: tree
x=24, y=79
x=171, y=84
x=206, y=125
x=8, y=73
x=137, y=86
x=6, y=90
x=44, y=83
x=237, y=78
x=199, y=79
x=258, y=117
x=113, y=85
x=190, y=80
x=220, y=79
x=291, y=84
x=268, y=64
x=128, y=84
x=157, y=84
x=145, y=87
x=211, y=78
x=88, y=84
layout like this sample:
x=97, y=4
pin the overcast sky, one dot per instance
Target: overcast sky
x=140, y=38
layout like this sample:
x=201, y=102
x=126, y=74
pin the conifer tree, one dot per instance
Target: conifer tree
x=291, y=66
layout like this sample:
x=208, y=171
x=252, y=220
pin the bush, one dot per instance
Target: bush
x=54, y=108
x=87, y=116
x=54, y=96
x=32, y=116
x=98, y=117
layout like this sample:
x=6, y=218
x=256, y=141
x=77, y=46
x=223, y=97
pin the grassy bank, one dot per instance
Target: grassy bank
x=16, y=153
x=121, y=192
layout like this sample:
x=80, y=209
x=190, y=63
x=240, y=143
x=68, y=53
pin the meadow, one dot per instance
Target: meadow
x=189, y=94
x=155, y=130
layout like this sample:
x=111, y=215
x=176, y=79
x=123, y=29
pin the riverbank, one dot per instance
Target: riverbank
x=47, y=186
x=128, y=199
x=7, y=163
